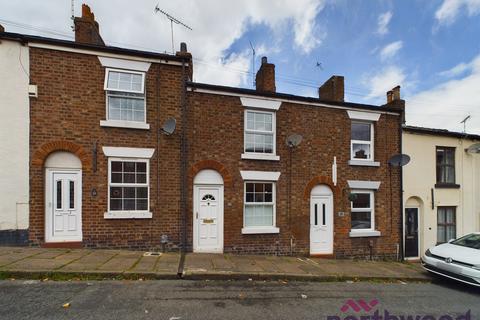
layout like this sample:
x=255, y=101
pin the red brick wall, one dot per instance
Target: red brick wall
x=71, y=103
x=217, y=133
x=69, y=107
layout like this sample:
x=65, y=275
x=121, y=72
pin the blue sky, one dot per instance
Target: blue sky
x=430, y=48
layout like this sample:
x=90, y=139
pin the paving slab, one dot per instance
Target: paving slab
x=167, y=262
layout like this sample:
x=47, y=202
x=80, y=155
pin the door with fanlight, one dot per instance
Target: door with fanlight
x=208, y=220
x=63, y=218
x=321, y=225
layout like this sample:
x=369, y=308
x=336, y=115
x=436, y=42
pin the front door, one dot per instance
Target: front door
x=208, y=219
x=63, y=221
x=321, y=225
x=411, y=232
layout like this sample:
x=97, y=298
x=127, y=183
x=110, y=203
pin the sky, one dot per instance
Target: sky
x=430, y=48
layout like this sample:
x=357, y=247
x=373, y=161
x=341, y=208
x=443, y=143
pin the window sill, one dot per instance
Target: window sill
x=254, y=156
x=364, y=163
x=127, y=215
x=367, y=233
x=124, y=124
x=447, y=186
x=260, y=230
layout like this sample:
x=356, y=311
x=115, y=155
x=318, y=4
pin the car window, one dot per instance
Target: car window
x=470, y=241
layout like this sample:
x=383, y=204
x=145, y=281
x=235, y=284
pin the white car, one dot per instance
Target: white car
x=458, y=259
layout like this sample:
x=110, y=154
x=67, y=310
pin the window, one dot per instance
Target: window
x=362, y=212
x=445, y=165
x=446, y=224
x=125, y=95
x=259, y=204
x=128, y=185
x=259, y=132
x=361, y=144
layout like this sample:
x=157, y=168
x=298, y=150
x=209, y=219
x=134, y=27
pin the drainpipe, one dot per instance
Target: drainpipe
x=183, y=161
x=402, y=117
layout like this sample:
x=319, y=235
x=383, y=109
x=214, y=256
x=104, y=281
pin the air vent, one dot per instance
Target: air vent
x=32, y=91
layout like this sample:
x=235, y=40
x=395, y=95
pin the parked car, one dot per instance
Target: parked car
x=458, y=259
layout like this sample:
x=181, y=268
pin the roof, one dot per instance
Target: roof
x=440, y=132
x=72, y=44
x=291, y=97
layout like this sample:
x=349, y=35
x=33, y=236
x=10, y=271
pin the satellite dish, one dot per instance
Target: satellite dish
x=294, y=140
x=169, y=126
x=474, y=148
x=399, y=160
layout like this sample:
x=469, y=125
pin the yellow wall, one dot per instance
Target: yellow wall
x=419, y=177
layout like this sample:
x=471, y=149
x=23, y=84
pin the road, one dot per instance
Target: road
x=182, y=299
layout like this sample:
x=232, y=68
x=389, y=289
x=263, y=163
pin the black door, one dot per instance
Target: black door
x=411, y=232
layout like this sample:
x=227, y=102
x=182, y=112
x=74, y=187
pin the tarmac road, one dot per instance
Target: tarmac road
x=183, y=299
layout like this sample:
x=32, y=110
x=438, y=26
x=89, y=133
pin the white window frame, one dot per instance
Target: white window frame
x=260, y=155
x=371, y=142
x=260, y=229
x=371, y=209
x=128, y=214
x=108, y=70
x=124, y=123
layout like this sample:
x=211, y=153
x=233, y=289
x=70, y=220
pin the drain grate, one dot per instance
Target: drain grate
x=152, y=254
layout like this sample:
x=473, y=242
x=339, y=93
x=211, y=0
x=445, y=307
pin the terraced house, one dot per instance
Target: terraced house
x=245, y=170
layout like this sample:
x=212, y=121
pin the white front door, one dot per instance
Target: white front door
x=321, y=225
x=208, y=219
x=63, y=216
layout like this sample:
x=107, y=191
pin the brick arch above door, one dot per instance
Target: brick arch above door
x=320, y=180
x=211, y=164
x=41, y=154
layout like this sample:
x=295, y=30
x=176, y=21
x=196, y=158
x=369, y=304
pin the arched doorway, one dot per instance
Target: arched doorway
x=63, y=197
x=321, y=220
x=208, y=211
x=412, y=228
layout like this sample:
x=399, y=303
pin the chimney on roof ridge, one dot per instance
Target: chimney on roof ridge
x=333, y=89
x=393, y=96
x=87, y=30
x=188, y=57
x=265, y=78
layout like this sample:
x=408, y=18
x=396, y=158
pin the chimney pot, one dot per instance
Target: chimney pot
x=333, y=89
x=87, y=29
x=183, y=47
x=265, y=78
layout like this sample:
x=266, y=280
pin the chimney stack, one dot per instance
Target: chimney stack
x=393, y=96
x=333, y=89
x=188, y=57
x=87, y=30
x=265, y=79
x=2, y=29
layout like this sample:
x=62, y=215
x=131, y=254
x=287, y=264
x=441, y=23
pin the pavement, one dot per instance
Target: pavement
x=62, y=264
x=202, y=299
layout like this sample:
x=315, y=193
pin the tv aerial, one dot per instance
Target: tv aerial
x=169, y=126
x=399, y=160
x=172, y=20
x=294, y=140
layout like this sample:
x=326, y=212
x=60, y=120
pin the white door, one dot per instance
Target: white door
x=321, y=225
x=208, y=219
x=63, y=214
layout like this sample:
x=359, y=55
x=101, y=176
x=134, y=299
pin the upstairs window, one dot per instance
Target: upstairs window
x=361, y=143
x=259, y=132
x=445, y=165
x=125, y=95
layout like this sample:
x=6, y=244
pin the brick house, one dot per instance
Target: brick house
x=245, y=171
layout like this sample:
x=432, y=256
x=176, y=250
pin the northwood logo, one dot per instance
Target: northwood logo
x=359, y=305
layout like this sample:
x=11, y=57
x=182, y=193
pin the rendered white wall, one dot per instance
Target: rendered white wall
x=14, y=135
x=419, y=176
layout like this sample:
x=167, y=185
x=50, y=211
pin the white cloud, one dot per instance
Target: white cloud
x=383, y=22
x=448, y=12
x=455, y=71
x=216, y=26
x=391, y=50
x=383, y=81
x=445, y=105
